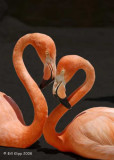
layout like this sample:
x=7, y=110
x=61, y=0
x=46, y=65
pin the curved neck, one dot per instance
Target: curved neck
x=60, y=110
x=34, y=131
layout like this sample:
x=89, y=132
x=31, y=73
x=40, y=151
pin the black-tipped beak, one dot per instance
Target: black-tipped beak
x=63, y=101
x=44, y=82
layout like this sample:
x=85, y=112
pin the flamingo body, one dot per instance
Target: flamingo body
x=91, y=133
x=13, y=130
x=11, y=121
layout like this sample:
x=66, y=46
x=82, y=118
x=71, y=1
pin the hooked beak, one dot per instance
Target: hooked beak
x=63, y=101
x=51, y=70
x=44, y=82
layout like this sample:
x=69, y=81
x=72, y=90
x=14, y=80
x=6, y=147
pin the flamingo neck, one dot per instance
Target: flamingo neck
x=33, y=132
x=51, y=136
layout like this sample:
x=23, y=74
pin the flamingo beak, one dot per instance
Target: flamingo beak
x=63, y=101
x=45, y=83
x=50, y=70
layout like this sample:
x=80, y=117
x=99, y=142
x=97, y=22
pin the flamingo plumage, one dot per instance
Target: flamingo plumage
x=91, y=133
x=13, y=130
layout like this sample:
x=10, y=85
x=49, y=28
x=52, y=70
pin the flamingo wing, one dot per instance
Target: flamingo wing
x=9, y=110
x=91, y=134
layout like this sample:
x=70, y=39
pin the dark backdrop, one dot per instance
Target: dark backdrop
x=75, y=13
x=95, y=44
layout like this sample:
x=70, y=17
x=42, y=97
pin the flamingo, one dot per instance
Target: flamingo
x=91, y=133
x=13, y=130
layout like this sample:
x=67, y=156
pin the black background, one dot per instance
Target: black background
x=66, y=25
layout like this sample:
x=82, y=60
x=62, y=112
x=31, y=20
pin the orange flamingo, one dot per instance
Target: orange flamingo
x=91, y=133
x=13, y=131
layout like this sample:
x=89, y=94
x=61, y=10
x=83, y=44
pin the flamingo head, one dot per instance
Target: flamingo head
x=48, y=57
x=65, y=71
